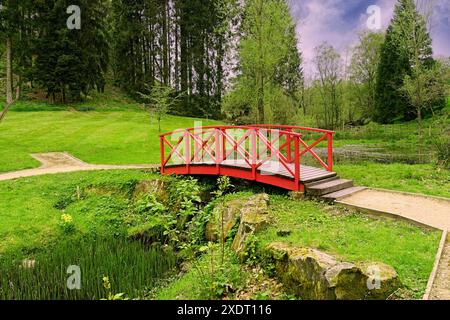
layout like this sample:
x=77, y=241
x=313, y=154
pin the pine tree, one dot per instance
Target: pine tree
x=396, y=63
x=70, y=61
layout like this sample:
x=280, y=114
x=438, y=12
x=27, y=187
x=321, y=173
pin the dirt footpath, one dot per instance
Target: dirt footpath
x=430, y=211
x=60, y=162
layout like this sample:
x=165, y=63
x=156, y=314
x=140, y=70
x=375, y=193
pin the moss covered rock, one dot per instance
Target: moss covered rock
x=312, y=274
x=158, y=187
x=231, y=211
x=252, y=212
x=254, y=217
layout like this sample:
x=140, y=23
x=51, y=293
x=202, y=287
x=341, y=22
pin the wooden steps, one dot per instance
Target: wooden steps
x=328, y=187
x=341, y=194
x=332, y=188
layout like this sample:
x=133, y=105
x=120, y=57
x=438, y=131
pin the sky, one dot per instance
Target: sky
x=339, y=21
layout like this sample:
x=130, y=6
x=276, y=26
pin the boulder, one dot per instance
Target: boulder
x=315, y=275
x=252, y=213
x=231, y=211
x=254, y=217
x=158, y=187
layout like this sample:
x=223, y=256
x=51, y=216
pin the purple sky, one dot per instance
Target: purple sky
x=339, y=21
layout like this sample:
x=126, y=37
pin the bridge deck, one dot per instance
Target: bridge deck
x=307, y=173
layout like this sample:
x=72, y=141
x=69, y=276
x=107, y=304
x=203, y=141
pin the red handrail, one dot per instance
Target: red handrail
x=251, y=146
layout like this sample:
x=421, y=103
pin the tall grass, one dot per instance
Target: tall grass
x=131, y=267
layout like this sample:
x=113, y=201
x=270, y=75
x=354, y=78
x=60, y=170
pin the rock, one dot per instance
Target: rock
x=251, y=212
x=254, y=217
x=231, y=212
x=312, y=274
x=297, y=195
x=157, y=187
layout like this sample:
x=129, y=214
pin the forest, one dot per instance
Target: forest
x=221, y=59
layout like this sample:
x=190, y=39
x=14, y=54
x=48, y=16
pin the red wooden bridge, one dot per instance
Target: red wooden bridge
x=284, y=156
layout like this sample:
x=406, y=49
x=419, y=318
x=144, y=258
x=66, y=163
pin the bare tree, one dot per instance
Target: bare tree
x=328, y=64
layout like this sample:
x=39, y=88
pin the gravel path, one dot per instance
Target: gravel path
x=441, y=285
x=60, y=162
x=431, y=211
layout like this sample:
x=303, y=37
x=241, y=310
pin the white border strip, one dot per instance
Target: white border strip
x=430, y=284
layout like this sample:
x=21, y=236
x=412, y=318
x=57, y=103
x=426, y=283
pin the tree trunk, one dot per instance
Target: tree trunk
x=9, y=72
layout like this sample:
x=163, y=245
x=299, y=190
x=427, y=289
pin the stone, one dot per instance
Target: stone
x=231, y=211
x=254, y=217
x=252, y=212
x=296, y=195
x=312, y=274
x=158, y=187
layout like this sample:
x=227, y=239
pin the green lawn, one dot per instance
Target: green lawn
x=420, y=178
x=101, y=137
x=355, y=237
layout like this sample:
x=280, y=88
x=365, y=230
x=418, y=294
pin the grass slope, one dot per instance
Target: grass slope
x=30, y=208
x=100, y=137
x=356, y=237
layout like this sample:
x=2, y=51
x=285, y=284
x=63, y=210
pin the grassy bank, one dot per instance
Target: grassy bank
x=31, y=208
x=355, y=237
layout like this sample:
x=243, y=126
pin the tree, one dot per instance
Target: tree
x=160, y=101
x=363, y=71
x=70, y=61
x=180, y=43
x=424, y=86
x=397, y=60
x=328, y=65
x=8, y=14
x=269, y=71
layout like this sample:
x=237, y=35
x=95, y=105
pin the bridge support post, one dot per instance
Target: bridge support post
x=161, y=144
x=188, y=151
x=330, y=151
x=288, y=147
x=218, y=154
x=254, y=153
x=297, y=161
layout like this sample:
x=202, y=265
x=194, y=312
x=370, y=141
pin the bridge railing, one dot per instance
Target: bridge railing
x=252, y=147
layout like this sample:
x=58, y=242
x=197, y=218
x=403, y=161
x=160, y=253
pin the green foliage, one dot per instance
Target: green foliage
x=355, y=237
x=66, y=224
x=70, y=61
x=160, y=101
x=223, y=185
x=327, y=61
x=363, y=75
x=407, y=44
x=269, y=63
x=218, y=280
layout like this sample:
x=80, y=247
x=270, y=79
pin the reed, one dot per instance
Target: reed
x=131, y=267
